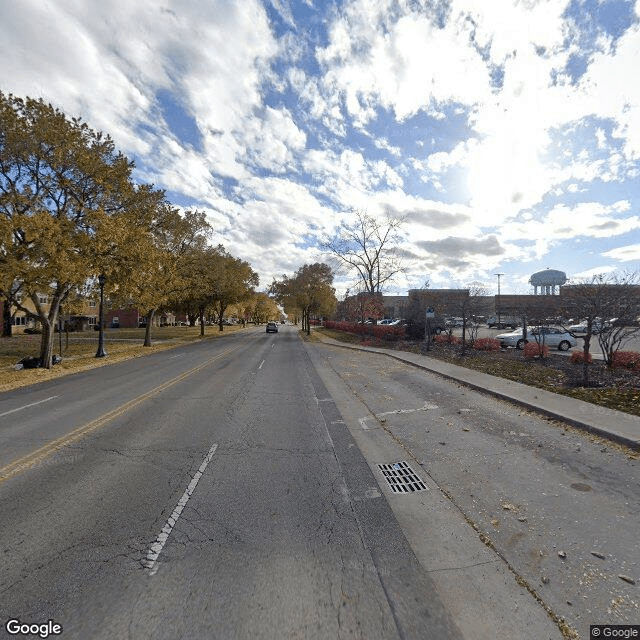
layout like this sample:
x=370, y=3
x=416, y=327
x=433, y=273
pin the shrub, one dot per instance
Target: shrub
x=626, y=360
x=446, y=338
x=486, y=344
x=534, y=350
x=377, y=331
x=578, y=357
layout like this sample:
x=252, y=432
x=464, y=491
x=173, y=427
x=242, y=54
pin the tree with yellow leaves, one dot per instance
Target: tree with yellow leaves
x=69, y=210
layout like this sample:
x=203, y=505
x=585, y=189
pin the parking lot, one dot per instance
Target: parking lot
x=633, y=344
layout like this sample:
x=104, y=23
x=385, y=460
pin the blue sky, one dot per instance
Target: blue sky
x=507, y=133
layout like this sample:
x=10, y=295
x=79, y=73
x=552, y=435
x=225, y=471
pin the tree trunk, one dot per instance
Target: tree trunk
x=585, y=362
x=6, y=319
x=201, y=314
x=464, y=334
x=46, y=344
x=48, y=323
x=222, y=308
x=147, y=331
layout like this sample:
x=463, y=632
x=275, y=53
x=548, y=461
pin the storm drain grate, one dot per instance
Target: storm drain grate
x=401, y=477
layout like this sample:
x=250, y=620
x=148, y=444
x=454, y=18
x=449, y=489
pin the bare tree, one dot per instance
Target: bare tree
x=609, y=305
x=467, y=307
x=370, y=248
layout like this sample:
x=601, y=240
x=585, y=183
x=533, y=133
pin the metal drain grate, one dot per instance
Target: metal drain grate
x=401, y=477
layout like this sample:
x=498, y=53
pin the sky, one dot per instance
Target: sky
x=506, y=133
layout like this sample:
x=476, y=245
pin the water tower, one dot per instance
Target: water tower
x=547, y=280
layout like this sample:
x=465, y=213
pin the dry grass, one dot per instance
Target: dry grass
x=79, y=353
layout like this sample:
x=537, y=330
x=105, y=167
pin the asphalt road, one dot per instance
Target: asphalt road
x=201, y=493
x=231, y=489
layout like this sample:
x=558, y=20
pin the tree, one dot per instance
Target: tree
x=370, y=248
x=309, y=290
x=216, y=280
x=230, y=281
x=360, y=307
x=67, y=207
x=466, y=306
x=264, y=308
x=609, y=305
x=163, y=256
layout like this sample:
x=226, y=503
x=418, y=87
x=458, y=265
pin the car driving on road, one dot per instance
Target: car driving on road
x=551, y=336
x=272, y=327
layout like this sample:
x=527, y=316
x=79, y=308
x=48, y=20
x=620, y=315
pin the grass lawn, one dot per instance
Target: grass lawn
x=78, y=354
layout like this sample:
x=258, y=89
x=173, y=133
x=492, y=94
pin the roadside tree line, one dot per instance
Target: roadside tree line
x=71, y=211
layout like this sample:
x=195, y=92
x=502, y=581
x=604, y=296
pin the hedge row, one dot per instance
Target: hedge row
x=379, y=331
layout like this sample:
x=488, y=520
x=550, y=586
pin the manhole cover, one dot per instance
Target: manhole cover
x=401, y=478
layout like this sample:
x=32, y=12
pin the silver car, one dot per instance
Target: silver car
x=551, y=336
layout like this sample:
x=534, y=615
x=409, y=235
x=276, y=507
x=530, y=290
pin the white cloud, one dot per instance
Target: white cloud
x=587, y=274
x=607, y=89
x=587, y=220
x=405, y=65
x=349, y=178
x=628, y=253
x=107, y=61
x=506, y=26
x=272, y=139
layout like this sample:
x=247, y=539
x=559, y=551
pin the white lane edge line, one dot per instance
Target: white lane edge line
x=260, y=367
x=163, y=536
x=26, y=406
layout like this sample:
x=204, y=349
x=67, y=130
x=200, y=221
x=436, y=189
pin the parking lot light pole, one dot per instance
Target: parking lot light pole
x=101, y=353
x=499, y=303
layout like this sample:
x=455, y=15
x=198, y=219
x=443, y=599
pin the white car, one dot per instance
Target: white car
x=550, y=336
x=596, y=327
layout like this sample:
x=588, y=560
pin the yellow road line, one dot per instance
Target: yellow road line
x=30, y=460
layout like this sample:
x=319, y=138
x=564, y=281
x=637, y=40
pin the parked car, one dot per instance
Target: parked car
x=416, y=330
x=596, y=326
x=551, y=336
x=272, y=327
x=454, y=322
x=503, y=322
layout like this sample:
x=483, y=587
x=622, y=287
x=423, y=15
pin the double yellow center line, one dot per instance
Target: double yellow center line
x=35, y=457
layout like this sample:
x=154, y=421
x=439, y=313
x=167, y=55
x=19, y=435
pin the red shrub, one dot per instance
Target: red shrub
x=447, y=338
x=377, y=331
x=626, y=360
x=486, y=344
x=533, y=350
x=578, y=357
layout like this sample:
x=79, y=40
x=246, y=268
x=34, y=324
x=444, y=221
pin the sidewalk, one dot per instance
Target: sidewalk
x=611, y=424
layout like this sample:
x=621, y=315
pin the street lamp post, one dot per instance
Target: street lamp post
x=499, y=302
x=101, y=353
